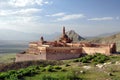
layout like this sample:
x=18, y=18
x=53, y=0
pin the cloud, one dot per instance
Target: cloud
x=57, y=14
x=24, y=3
x=70, y=17
x=117, y=18
x=3, y=13
x=28, y=11
x=17, y=12
x=101, y=19
x=11, y=4
x=22, y=16
x=61, y=16
x=25, y=19
x=22, y=12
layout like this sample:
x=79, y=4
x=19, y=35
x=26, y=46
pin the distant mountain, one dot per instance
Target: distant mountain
x=72, y=35
x=6, y=34
x=13, y=46
x=112, y=38
x=12, y=41
x=75, y=36
x=109, y=39
x=107, y=34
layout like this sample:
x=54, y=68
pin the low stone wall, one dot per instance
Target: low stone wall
x=29, y=57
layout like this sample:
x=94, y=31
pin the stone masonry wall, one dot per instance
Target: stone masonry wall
x=61, y=53
x=29, y=57
x=92, y=50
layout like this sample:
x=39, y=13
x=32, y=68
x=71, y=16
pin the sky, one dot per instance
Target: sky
x=86, y=17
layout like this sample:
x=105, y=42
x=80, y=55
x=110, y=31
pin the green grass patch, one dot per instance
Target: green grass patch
x=65, y=70
x=7, y=58
x=97, y=58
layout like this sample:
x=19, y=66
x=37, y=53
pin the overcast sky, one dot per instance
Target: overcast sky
x=86, y=17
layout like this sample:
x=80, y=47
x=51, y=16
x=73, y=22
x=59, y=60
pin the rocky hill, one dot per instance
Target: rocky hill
x=109, y=39
x=72, y=35
x=75, y=36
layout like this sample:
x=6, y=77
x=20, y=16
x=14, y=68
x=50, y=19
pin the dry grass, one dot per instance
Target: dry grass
x=7, y=58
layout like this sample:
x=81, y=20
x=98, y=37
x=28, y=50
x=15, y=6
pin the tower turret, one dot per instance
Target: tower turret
x=64, y=38
x=63, y=30
x=42, y=39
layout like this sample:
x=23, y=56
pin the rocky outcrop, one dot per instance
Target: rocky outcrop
x=74, y=36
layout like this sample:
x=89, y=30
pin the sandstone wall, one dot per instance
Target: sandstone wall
x=37, y=50
x=61, y=53
x=93, y=50
x=29, y=57
x=73, y=45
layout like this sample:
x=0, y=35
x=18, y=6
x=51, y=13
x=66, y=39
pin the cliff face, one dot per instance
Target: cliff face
x=73, y=35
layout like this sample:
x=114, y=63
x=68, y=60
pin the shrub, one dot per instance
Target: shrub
x=89, y=57
x=73, y=76
x=66, y=65
x=63, y=70
x=3, y=75
x=84, y=60
x=49, y=68
x=44, y=77
x=100, y=58
x=13, y=77
x=97, y=58
x=25, y=64
x=57, y=67
x=42, y=69
x=76, y=60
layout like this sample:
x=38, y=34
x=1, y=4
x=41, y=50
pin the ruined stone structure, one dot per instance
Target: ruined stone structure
x=63, y=49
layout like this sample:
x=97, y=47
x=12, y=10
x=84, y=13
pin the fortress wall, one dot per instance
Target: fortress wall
x=32, y=45
x=113, y=48
x=37, y=50
x=86, y=45
x=61, y=56
x=60, y=53
x=65, y=48
x=74, y=44
x=33, y=51
x=91, y=50
x=29, y=57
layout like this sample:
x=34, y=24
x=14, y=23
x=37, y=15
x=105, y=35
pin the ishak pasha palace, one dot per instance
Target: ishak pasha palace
x=63, y=49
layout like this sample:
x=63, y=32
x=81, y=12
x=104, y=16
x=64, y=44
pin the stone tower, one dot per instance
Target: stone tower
x=42, y=39
x=63, y=30
x=64, y=38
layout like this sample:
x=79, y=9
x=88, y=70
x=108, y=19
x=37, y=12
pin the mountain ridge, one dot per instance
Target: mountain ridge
x=115, y=38
x=75, y=36
x=6, y=34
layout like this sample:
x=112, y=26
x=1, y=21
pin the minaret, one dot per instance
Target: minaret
x=63, y=30
x=42, y=39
